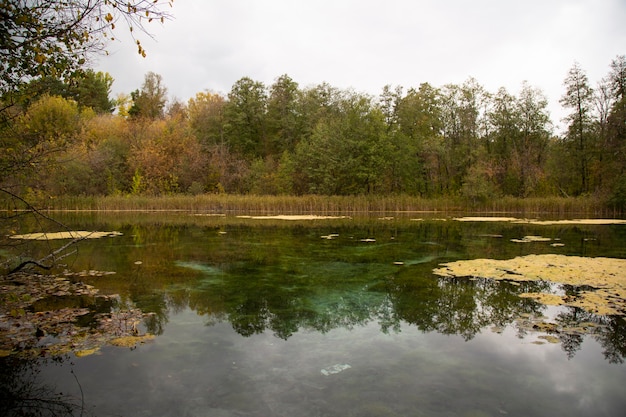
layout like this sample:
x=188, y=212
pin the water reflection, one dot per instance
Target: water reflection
x=447, y=306
x=248, y=319
x=285, y=280
x=24, y=393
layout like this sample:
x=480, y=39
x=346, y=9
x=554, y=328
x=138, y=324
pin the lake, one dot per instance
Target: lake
x=330, y=317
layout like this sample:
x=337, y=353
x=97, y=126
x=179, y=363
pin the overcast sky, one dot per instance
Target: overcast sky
x=365, y=44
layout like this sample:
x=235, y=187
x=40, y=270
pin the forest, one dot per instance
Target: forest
x=66, y=136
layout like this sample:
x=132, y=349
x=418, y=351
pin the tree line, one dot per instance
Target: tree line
x=61, y=136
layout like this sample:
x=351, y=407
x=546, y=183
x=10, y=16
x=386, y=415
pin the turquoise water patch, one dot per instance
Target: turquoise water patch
x=201, y=267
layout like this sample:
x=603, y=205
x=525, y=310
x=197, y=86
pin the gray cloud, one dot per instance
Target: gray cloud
x=367, y=44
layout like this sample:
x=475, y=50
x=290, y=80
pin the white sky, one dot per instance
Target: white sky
x=365, y=44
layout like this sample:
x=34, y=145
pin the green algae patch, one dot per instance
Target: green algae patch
x=75, y=234
x=603, y=279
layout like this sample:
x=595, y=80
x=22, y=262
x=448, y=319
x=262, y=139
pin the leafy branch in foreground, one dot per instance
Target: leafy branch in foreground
x=55, y=38
x=17, y=263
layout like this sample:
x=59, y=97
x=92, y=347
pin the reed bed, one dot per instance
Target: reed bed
x=334, y=205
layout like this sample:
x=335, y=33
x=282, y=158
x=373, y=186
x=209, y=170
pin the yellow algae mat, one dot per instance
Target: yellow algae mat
x=605, y=276
x=73, y=234
x=592, y=222
x=293, y=217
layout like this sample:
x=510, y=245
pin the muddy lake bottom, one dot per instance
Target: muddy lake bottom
x=329, y=317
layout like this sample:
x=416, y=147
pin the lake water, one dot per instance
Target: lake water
x=333, y=318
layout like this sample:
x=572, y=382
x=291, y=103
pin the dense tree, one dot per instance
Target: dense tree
x=36, y=139
x=615, y=149
x=346, y=154
x=92, y=89
x=206, y=117
x=536, y=131
x=284, y=119
x=517, y=140
x=418, y=142
x=578, y=98
x=457, y=140
x=149, y=101
x=246, y=118
x=463, y=109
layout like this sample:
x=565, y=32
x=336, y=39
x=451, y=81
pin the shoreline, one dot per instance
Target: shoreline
x=221, y=204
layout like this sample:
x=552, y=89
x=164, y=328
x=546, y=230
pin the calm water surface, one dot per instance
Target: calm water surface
x=260, y=318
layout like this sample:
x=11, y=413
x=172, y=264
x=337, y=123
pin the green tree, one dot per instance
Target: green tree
x=206, y=117
x=578, y=98
x=347, y=153
x=518, y=135
x=246, y=118
x=615, y=149
x=318, y=103
x=284, y=121
x=36, y=138
x=88, y=88
x=92, y=89
x=149, y=102
x=418, y=142
x=535, y=132
x=463, y=116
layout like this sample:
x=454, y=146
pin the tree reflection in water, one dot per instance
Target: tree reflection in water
x=451, y=306
x=22, y=393
x=287, y=279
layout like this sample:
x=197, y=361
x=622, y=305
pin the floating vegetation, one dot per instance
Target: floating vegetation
x=530, y=239
x=293, y=217
x=542, y=222
x=486, y=219
x=47, y=315
x=76, y=234
x=131, y=341
x=605, y=276
x=546, y=299
x=599, y=222
x=89, y=273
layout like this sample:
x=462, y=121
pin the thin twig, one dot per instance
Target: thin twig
x=82, y=395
